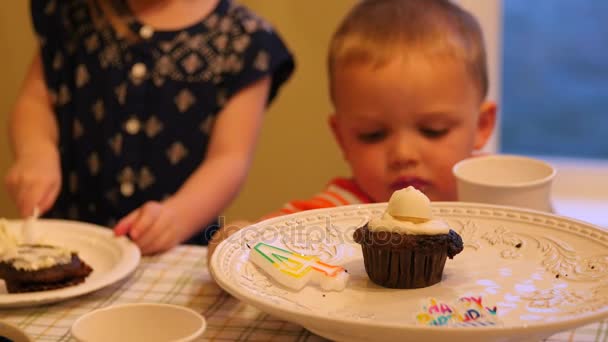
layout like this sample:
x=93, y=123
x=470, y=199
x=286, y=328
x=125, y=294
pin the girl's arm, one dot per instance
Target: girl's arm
x=34, y=179
x=157, y=226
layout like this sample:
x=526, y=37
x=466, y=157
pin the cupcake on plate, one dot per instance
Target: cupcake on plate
x=406, y=248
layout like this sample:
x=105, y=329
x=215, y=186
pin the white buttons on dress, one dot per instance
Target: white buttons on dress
x=139, y=70
x=127, y=189
x=146, y=32
x=132, y=126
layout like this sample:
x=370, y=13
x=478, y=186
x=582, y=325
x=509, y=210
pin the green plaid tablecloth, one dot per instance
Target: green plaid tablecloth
x=181, y=277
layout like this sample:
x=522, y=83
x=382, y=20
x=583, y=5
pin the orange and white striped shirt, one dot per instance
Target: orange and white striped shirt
x=340, y=191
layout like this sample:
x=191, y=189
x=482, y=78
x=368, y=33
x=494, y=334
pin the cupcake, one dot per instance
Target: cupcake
x=38, y=267
x=406, y=248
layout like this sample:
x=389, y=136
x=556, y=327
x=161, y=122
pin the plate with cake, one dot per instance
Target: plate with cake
x=416, y=270
x=45, y=261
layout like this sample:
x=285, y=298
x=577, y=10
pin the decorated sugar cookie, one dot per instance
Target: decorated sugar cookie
x=295, y=271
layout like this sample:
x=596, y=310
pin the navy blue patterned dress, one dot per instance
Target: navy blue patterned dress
x=135, y=116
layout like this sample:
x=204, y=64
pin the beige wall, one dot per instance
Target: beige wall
x=17, y=42
x=296, y=155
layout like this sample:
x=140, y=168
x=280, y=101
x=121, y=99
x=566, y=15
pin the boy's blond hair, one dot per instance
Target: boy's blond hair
x=376, y=31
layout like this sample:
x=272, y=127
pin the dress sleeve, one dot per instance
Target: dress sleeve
x=49, y=29
x=266, y=54
x=42, y=15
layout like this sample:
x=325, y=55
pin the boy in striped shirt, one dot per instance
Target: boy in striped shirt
x=408, y=82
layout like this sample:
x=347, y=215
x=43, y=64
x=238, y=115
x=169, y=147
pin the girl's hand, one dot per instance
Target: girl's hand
x=34, y=180
x=155, y=227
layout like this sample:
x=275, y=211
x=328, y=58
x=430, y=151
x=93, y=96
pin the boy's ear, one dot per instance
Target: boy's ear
x=485, y=123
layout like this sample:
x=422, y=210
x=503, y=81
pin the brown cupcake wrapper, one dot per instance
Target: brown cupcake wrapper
x=403, y=269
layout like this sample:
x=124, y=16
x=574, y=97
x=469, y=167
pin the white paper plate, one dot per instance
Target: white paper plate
x=111, y=258
x=512, y=258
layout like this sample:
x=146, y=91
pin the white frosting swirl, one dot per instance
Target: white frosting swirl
x=409, y=212
x=8, y=242
x=35, y=257
x=29, y=257
x=393, y=224
x=409, y=203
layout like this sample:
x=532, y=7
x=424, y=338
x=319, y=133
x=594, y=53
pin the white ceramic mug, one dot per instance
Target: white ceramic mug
x=505, y=180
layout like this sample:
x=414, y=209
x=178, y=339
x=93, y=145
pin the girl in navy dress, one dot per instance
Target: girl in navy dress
x=142, y=115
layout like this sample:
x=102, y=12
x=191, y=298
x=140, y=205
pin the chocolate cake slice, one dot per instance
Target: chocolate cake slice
x=42, y=267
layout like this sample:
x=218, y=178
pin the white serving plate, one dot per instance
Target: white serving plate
x=512, y=258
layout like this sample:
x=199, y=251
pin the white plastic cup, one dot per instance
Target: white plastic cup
x=139, y=322
x=505, y=180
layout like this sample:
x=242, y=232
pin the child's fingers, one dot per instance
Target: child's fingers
x=158, y=237
x=124, y=225
x=29, y=190
x=49, y=198
x=149, y=212
x=146, y=240
x=27, y=198
x=153, y=241
x=31, y=185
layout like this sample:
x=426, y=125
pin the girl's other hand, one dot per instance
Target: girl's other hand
x=34, y=180
x=155, y=227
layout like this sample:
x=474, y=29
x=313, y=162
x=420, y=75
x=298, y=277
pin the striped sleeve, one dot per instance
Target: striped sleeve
x=338, y=192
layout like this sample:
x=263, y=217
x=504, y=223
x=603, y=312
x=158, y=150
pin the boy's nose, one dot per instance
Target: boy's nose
x=402, y=153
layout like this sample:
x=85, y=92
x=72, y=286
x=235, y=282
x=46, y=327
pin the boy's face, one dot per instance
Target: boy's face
x=408, y=123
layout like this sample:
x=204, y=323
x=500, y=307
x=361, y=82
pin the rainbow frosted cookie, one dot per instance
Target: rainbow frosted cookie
x=295, y=271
